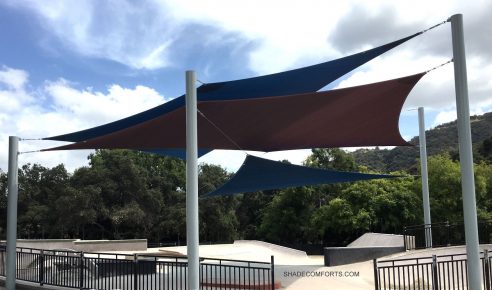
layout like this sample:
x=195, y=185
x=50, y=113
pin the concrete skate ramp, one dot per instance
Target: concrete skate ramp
x=251, y=250
x=377, y=240
x=367, y=247
x=276, y=249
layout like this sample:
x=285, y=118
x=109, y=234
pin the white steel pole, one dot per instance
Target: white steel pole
x=192, y=237
x=425, y=179
x=13, y=189
x=466, y=154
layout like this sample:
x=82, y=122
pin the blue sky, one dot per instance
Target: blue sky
x=70, y=65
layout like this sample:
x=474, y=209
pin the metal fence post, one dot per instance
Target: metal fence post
x=135, y=272
x=41, y=268
x=405, y=238
x=488, y=236
x=272, y=272
x=448, y=227
x=428, y=235
x=2, y=262
x=435, y=273
x=81, y=267
x=486, y=269
x=376, y=280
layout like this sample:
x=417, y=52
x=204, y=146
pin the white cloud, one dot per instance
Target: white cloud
x=286, y=33
x=444, y=117
x=133, y=33
x=12, y=91
x=13, y=78
x=449, y=116
x=156, y=58
x=98, y=107
x=70, y=110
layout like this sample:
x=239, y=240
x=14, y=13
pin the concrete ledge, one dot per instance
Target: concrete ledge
x=49, y=244
x=46, y=240
x=272, y=247
x=110, y=245
x=335, y=256
x=378, y=240
x=95, y=242
x=85, y=245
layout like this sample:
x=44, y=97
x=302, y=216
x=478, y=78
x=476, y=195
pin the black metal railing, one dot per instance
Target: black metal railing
x=162, y=244
x=436, y=272
x=3, y=261
x=119, y=271
x=444, y=234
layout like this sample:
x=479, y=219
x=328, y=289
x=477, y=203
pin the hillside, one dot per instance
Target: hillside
x=441, y=139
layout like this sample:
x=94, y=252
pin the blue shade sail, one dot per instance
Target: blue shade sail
x=262, y=174
x=297, y=81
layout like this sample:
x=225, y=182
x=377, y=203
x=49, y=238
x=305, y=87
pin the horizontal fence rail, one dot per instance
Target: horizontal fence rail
x=444, y=234
x=432, y=273
x=81, y=270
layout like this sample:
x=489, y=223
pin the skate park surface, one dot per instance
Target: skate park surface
x=294, y=269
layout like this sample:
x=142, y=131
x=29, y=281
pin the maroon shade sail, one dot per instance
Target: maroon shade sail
x=364, y=115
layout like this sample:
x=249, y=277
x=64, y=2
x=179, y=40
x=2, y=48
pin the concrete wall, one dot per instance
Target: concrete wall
x=46, y=244
x=335, y=256
x=86, y=246
x=114, y=245
x=378, y=240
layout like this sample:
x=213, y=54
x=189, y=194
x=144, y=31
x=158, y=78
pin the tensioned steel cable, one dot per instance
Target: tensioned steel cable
x=439, y=66
x=221, y=131
x=434, y=26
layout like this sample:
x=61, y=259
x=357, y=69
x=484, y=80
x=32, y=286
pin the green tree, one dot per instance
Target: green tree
x=39, y=188
x=382, y=205
x=395, y=204
x=250, y=213
x=218, y=220
x=445, y=189
x=134, y=187
x=483, y=190
x=334, y=222
x=331, y=158
x=286, y=219
x=484, y=151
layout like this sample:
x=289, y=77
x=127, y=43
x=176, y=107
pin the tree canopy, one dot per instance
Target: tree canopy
x=129, y=194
